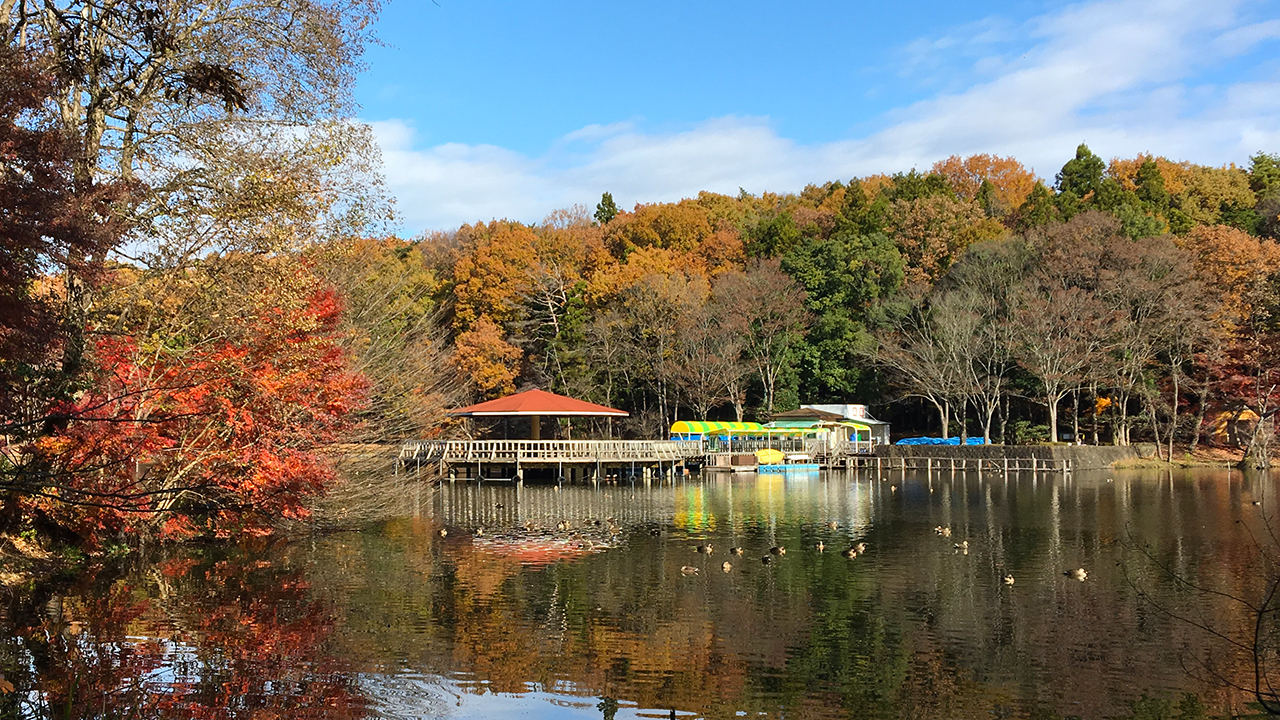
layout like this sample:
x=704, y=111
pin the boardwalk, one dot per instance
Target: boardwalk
x=572, y=459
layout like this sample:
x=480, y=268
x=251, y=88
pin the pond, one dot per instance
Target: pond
x=586, y=602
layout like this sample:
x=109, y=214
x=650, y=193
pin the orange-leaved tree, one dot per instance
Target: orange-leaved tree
x=1009, y=180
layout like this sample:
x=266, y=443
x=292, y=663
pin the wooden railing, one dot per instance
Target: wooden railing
x=520, y=451
x=962, y=464
x=816, y=447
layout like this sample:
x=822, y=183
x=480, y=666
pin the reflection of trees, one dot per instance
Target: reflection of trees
x=913, y=629
x=234, y=636
x=1234, y=604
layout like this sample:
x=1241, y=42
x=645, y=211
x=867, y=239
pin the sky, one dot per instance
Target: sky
x=488, y=109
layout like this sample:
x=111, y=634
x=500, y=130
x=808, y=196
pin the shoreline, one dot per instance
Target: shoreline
x=1081, y=457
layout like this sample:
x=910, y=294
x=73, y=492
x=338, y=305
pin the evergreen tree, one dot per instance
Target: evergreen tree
x=606, y=210
x=1038, y=210
x=1264, y=174
x=1081, y=175
x=1151, y=188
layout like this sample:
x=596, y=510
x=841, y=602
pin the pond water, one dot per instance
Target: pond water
x=512, y=614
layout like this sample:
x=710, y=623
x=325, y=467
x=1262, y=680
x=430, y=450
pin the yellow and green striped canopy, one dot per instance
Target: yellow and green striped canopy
x=707, y=427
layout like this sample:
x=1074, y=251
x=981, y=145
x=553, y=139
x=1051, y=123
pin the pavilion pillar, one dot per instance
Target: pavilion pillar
x=535, y=427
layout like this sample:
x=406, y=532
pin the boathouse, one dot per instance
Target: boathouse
x=858, y=414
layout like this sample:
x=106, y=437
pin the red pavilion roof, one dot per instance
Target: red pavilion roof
x=537, y=402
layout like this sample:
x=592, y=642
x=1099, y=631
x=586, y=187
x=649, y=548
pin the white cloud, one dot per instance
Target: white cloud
x=1117, y=74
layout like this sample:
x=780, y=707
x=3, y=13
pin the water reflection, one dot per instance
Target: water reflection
x=572, y=602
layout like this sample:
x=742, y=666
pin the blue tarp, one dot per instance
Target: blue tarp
x=938, y=441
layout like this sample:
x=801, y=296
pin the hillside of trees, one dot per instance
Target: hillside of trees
x=1123, y=300
x=200, y=299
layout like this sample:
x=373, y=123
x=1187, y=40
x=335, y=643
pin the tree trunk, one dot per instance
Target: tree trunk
x=1204, y=397
x=1004, y=421
x=1258, y=455
x=943, y=414
x=1053, y=418
x=1155, y=428
x=1075, y=415
x=1093, y=396
x=1173, y=412
x=964, y=421
x=986, y=423
x=1122, y=423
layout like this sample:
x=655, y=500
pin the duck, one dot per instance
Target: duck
x=735, y=551
x=820, y=546
x=1078, y=574
x=946, y=532
x=860, y=547
x=850, y=553
x=726, y=566
x=705, y=549
x=443, y=532
x=778, y=550
x=962, y=545
x=688, y=570
x=766, y=560
x=833, y=525
x=1008, y=579
x=479, y=532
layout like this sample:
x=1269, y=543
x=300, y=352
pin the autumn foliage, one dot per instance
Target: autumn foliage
x=217, y=435
x=1151, y=278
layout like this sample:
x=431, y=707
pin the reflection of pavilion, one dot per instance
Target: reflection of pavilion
x=568, y=459
x=511, y=505
x=680, y=504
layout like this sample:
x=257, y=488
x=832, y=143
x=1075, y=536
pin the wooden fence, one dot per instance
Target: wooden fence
x=958, y=464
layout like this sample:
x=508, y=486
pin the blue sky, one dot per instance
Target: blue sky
x=489, y=109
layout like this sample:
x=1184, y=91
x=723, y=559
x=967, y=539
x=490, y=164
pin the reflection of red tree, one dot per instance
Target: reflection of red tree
x=252, y=644
x=77, y=670
x=262, y=650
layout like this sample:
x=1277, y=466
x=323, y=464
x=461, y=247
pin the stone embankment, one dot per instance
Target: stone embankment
x=1082, y=457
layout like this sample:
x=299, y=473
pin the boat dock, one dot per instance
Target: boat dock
x=598, y=460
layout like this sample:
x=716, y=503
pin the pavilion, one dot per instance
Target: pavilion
x=536, y=404
x=570, y=460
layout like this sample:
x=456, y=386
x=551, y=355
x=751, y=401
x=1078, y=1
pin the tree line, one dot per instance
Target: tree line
x=200, y=297
x=1134, y=299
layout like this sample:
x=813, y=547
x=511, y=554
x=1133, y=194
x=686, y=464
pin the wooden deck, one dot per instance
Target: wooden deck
x=573, y=459
x=580, y=459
